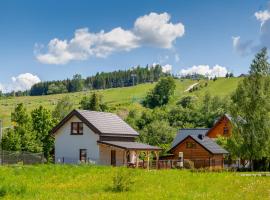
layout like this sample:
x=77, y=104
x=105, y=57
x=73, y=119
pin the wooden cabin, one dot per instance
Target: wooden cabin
x=199, y=146
x=222, y=127
x=200, y=149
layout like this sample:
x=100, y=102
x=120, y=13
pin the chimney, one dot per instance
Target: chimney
x=201, y=136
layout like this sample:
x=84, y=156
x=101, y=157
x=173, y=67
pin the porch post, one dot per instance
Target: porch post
x=157, y=158
x=125, y=158
x=137, y=159
x=148, y=159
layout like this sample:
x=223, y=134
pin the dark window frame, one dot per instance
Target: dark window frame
x=190, y=145
x=83, y=154
x=79, y=128
x=225, y=130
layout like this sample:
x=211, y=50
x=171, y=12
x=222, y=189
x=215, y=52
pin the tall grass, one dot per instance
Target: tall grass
x=92, y=182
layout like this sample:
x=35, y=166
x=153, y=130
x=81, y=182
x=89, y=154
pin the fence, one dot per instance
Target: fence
x=72, y=160
x=14, y=157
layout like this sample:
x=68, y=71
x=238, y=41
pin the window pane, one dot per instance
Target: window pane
x=74, y=127
x=80, y=127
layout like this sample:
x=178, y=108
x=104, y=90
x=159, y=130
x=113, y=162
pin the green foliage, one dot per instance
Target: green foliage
x=123, y=180
x=57, y=88
x=42, y=124
x=12, y=189
x=11, y=140
x=161, y=93
x=63, y=107
x=250, y=109
x=22, y=130
x=77, y=83
x=94, y=103
x=157, y=133
x=187, y=101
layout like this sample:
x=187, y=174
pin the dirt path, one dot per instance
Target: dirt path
x=190, y=87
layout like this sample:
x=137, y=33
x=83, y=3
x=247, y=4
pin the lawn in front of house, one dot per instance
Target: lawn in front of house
x=95, y=182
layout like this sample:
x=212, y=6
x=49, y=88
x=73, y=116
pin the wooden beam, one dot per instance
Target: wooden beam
x=157, y=159
x=137, y=159
x=125, y=158
x=148, y=159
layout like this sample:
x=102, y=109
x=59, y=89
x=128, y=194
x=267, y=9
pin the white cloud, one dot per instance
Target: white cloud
x=205, y=70
x=242, y=48
x=149, y=30
x=2, y=88
x=21, y=82
x=247, y=47
x=262, y=16
x=167, y=68
x=156, y=30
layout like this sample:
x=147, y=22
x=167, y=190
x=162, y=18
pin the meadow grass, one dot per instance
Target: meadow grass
x=95, y=182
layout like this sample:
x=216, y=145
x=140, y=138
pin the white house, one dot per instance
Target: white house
x=97, y=137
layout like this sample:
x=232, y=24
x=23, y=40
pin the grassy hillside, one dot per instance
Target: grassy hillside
x=94, y=182
x=118, y=98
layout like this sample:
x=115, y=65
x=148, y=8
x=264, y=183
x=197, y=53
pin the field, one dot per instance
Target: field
x=94, y=182
x=118, y=98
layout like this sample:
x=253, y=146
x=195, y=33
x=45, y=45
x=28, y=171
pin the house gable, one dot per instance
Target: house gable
x=73, y=113
x=222, y=127
x=198, y=152
x=67, y=145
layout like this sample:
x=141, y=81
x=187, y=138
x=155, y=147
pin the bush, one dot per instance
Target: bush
x=12, y=189
x=122, y=180
x=188, y=164
x=3, y=191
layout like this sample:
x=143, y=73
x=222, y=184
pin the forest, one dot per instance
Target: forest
x=103, y=80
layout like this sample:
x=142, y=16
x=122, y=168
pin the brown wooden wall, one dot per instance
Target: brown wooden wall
x=199, y=155
x=218, y=128
x=195, y=153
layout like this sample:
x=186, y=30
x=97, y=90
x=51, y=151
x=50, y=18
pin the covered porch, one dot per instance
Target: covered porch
x=130, y=154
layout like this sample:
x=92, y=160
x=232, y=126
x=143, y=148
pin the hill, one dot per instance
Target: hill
x=120, y=99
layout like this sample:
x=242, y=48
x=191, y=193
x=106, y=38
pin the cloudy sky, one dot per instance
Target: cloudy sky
x=56, y=39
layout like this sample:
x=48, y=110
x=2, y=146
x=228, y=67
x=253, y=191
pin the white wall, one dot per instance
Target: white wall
x=105, y=155
x=68, y=146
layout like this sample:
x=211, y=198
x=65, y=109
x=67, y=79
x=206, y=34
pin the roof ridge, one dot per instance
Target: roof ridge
x=194, y=128
x=95, y=111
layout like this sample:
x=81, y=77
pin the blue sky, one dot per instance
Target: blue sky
x=201, y=35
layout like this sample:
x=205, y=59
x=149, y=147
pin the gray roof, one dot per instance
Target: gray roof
x=130, y=145
x=107, y=123
x=206, y=142
x=183, y=133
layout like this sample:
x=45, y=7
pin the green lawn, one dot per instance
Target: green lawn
x=93, y=182
x=120, y=99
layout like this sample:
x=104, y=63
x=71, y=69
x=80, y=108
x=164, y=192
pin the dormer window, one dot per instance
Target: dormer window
x=76, y=128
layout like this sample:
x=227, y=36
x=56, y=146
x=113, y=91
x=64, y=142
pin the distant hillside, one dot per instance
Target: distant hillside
x=120, y=99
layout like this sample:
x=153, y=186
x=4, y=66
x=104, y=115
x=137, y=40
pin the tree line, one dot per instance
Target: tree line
x=103, y=80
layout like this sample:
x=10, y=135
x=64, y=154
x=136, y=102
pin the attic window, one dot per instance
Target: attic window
x=225, y=130
x=76, y=128
x=190, y=145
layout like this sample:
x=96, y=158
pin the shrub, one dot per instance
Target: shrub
x=188, y=164
x=122, y=180
x=12, y=189
x=3, y=191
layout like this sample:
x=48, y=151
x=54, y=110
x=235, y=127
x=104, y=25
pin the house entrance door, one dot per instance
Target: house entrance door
x=113, y=157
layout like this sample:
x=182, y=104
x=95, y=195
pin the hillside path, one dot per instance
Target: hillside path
x=190, y=87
